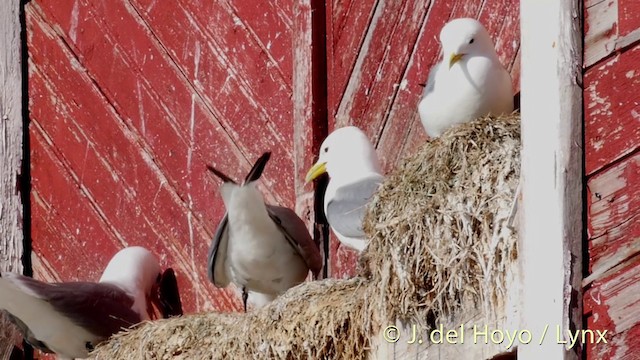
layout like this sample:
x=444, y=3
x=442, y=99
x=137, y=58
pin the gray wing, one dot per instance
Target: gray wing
x=216, y=265
x=345, y=211
x=296, y=233
x=103, y=309
x=431, y=80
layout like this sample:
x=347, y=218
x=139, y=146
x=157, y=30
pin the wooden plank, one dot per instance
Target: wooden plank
x=613, y=213
x=309, y=108
x=176, y=148
x=94, y=118
x=248, y=97
x=613, y=247
x=271, y=25
x=54, y=195
x=175, y=92
x=347, y=23
x=611, y=305
x=381, y=63
x=612, y=114
x=550, y=230
x=62, y=196
x=11, y=241
x=609, y=27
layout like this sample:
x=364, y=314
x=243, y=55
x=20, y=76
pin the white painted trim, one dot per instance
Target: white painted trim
x=551, y=218
x=10, y=136
x=11, y=238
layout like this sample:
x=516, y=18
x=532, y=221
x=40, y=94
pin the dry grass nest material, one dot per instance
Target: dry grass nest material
x=439, y=236
x=315, y=320
x=439, y=242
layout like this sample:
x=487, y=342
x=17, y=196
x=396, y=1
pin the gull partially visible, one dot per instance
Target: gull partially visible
x=351, y=161
x=71, y=318
x=264, y=249
x=469, y=82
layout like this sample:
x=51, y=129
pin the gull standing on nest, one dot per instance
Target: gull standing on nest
x=264, y=249
x=351, y=161
x=468, y=83
x=71, y=318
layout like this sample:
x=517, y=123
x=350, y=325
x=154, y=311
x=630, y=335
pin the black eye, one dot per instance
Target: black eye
x=471, y=41
x=326, y=149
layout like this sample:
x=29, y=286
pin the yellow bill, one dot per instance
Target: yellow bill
x=316, y=170
x=454, y=58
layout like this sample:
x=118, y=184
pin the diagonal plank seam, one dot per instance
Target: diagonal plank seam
x=146, y=156
x=225, y=125
x=257, y=40
x=391, y=109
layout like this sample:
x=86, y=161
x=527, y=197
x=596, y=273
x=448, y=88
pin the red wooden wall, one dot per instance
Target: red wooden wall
x=612, y=161
x=378, y=54
x=129, y=99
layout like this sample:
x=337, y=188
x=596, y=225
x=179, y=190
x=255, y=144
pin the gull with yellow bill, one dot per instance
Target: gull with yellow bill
x=351, y=161
x=468, y=83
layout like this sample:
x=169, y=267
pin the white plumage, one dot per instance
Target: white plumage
x=70, y=318
x=351, y=161
x=264, y=249
x=468, y=83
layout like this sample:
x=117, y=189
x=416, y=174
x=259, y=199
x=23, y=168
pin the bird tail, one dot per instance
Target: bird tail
x=253, y=175
x=258, y=168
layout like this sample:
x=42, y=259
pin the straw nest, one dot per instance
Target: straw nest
x=439, y=244
x=439, y=236
x=315, y=320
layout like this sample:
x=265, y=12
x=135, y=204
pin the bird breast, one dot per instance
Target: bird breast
x=473, y=87
x=259, y=256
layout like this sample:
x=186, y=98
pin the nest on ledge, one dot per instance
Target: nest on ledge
x=439, y=244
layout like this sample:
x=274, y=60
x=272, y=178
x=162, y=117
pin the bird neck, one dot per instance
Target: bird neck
x=352, y=171
x=246, y=205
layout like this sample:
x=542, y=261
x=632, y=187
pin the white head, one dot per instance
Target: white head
x=345, y=152
x=137, y=271
x=465, y=37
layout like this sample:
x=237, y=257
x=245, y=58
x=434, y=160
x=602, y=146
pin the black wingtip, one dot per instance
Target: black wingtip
x=258, y=167
x=169, y=295
x=220, y=174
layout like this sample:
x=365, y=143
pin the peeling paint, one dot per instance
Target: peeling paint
x=196, y=60
x=73, y=28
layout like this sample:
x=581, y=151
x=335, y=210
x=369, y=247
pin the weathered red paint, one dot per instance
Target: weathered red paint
x=614, y=209
x=628, y=16
x=612, y=304
x=612, y=164
x=379, y=54
x=120, y=192
x=128, y=101
x=347, y=24
x=611, y=113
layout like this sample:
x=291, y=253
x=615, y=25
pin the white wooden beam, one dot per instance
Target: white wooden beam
x=551, y=230
x=11, y=249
